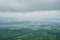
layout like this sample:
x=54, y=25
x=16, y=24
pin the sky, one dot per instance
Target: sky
x=28, y=5
x=29, y=10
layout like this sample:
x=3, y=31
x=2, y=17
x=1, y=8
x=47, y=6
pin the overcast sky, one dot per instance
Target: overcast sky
x=29, y=5
x=23, y=10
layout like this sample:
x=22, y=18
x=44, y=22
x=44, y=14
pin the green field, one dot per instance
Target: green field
x=30, y=31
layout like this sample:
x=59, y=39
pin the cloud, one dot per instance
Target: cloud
x=30, y=16
x=12, y=5
x=28, y=5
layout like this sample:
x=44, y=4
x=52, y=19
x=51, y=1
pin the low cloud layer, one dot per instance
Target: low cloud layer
x=30, y=16
x=28, y=5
